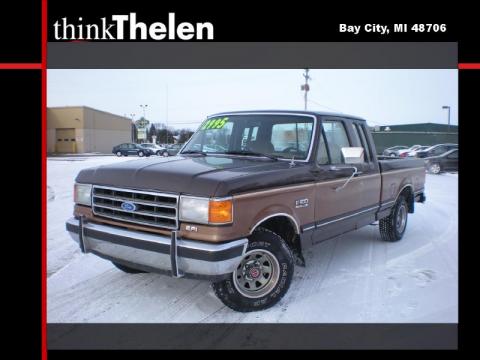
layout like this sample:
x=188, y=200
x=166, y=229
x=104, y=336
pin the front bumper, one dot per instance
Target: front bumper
x=157, y=253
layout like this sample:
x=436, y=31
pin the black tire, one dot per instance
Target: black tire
x=141, y=153
x=261, y=240
x=389, y=226
x=127, y=269
x=158, y=153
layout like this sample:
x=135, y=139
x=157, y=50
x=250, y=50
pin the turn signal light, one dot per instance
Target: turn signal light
x=220, y=211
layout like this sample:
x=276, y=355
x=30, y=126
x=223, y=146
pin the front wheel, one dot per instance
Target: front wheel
x=263, y=276
x=165, y=154
x=119, y=153
x=393, y=226
x=141, y=154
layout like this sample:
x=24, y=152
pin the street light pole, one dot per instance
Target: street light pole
x=448, y=108
x=133, y=131
x=143, y=107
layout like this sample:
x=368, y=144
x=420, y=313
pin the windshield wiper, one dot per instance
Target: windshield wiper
x=251, y=153
x=194, y=152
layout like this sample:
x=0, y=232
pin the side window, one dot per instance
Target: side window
x=439, y=150
x=364, y=142
x=336, y=138
x=322, y=156
x=453, y=155
x=356, y=136
x=249, y=134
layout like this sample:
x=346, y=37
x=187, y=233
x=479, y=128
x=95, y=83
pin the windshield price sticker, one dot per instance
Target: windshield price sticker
x=216, y=123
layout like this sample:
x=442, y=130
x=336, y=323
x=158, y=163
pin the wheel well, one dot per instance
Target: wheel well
x=284, y=227
x=407, y=192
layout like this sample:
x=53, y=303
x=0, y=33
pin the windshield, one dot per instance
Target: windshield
x=280, y=136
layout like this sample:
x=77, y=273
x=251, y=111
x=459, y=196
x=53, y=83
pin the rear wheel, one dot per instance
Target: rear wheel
x=165, y=154
x=141, y=153
x=127, y=269
x=263, y=276
x=393, y=226
x=434, y=168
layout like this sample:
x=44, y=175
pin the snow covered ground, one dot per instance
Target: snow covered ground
x=353, y=278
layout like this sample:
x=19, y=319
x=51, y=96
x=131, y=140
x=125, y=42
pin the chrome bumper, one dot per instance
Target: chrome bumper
x=157, y=253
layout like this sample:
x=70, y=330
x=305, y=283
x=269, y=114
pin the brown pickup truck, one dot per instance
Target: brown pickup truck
x=244, y=197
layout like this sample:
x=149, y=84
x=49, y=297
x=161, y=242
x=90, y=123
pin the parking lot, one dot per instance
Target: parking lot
x=353, y=278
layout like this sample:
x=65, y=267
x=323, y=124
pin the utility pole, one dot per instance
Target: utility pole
x=305, y=87
x=134, y=127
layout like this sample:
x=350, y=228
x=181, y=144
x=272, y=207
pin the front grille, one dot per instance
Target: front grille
x=151, y=208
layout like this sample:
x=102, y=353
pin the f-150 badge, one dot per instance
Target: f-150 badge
x=301, y=203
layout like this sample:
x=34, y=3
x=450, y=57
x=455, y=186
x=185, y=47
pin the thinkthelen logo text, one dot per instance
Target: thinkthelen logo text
x=126, y=27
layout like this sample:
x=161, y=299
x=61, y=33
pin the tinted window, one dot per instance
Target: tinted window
x=363, y=138
x=453, y=155
x=356, y=136
x=439, y=150
x=322, y=156
x=336, y=138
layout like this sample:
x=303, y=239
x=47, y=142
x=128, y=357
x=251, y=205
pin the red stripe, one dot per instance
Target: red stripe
x=469, y=66
x=44, y=183
x=20, y=66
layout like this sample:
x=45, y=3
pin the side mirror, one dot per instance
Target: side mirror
x=353, y=155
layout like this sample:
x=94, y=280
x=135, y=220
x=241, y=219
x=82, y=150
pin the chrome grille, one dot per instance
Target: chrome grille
x=151, y=208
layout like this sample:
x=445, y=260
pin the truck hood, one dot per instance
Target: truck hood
x=198, y=175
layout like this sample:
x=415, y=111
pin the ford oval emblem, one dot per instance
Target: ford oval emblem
x=128, y=206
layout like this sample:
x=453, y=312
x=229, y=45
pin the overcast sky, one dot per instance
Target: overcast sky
x=383, y=97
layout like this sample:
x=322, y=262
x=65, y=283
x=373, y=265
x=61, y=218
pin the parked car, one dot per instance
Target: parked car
x=157, y=150
x=243, y=217
x=446, y=162
x=392, y=151
x=131, y=149
x=404, y=152
x=414, y=152
x=173, y=149
x=435, y=150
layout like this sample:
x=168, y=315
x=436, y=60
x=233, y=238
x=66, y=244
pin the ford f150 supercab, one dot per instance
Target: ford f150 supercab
x=243, y=199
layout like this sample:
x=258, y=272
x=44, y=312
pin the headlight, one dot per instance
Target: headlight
x=82, y=194
x=205, y=210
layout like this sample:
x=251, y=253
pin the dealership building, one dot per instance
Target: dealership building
x=81, y=129
x=413, y=134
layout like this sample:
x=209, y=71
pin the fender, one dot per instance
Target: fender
x=274, y=211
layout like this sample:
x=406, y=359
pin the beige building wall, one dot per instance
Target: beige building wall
x=95, y=130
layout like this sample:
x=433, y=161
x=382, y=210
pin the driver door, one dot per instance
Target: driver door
x=338, y=208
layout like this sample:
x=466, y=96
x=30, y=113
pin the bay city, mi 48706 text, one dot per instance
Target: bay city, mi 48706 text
x=385, y=28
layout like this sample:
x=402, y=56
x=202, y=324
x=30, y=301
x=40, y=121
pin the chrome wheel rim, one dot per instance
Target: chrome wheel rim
x=401, y=218
x=435, y=168
x=257, y=274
